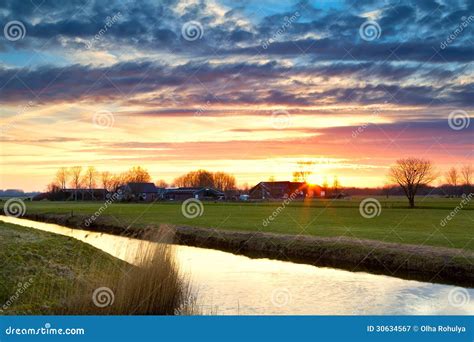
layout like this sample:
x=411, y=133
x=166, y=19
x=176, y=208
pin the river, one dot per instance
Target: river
x=228, y=284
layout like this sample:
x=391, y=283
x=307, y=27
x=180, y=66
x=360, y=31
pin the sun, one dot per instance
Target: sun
x=315, y=179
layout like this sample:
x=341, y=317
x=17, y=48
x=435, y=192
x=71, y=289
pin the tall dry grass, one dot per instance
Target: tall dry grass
x=152, y=286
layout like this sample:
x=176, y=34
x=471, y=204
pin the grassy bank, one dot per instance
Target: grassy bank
x=396, y=223
x=44, y=273
x=46, y=264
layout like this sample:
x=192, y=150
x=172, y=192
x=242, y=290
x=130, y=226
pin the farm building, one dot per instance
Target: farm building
x=285, y=189
x=76, y=194
x=146, y=192
x=181, y=194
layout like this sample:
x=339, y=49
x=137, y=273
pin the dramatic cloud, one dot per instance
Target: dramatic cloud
x=186, y=83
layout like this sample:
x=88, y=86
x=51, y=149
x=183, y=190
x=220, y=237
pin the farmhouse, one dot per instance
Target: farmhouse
x=141, y=192
x=285, y=189
x=181, y=194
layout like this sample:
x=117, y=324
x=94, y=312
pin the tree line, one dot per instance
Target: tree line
x=410, y=174
x=78, y=177
x=461, y=176
x=203, y=178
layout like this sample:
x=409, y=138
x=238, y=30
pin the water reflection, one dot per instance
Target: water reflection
x=233, y=284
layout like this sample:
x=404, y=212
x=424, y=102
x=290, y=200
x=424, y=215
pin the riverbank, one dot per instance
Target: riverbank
x=40, y=269
x=48, y=273
x=424, y=263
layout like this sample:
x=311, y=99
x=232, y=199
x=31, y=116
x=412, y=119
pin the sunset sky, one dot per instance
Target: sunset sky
x=246, y=87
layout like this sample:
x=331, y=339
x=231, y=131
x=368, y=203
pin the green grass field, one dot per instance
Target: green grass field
x=396, y=222
x=39, y=269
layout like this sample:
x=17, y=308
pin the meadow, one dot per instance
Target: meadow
x=326, y=218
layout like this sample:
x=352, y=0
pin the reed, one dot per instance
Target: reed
x=152, y=286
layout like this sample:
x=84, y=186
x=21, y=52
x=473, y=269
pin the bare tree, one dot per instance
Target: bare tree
x=180, y=181
x=62, y=176
x=467, y=172
x=336, y=185
x=452, y=177
x=90, y=177
x=117, y=181
x=410, y=174
x=76, y=176
x=106, y=180
x=305, y=169
x=202, y=178
x=223, y=181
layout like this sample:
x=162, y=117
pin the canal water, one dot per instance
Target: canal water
x=228, y=284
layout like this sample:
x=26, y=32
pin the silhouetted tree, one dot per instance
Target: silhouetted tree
x=452, y=177
x=223, y=181
x=411, y=174
x=53, y=187
x=467, y=172
x=76, y=176
x=62, y=177
x=161, y=183
x=195, y=179
x=106, y=180
x=90, y=177
x=117, y=181
x=137, y=174
x=204, y=178
x=336, y=185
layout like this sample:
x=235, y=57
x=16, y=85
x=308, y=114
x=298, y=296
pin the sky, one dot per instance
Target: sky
x=245, y=87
